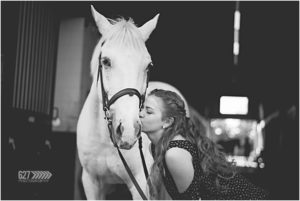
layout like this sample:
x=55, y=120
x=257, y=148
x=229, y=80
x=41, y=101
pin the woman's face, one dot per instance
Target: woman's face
x=152, y=114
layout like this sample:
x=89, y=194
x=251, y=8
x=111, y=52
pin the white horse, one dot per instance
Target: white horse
x=122, y=53
x=124, y=58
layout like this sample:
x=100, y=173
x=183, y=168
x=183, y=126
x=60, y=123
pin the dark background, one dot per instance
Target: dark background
x=191, y=48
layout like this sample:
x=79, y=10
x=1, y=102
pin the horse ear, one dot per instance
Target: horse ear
x=102, y=23
x=148, y=27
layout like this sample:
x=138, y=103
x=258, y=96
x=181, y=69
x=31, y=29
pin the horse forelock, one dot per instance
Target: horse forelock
x=123, y=34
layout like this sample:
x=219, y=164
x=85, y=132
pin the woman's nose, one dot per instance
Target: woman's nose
x=141, y=114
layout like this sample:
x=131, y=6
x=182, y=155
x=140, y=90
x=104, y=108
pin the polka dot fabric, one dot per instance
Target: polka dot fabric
x=203, y=186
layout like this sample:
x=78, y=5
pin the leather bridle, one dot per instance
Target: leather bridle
x=106, y=107
x=127, y=91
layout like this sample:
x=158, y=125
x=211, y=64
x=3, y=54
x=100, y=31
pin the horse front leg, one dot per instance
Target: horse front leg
x=141, y=180
x=93, y=188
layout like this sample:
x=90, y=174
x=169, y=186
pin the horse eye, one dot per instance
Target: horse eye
x=105, y=61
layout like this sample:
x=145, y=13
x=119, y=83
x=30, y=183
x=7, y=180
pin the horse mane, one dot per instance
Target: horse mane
x=124, y=33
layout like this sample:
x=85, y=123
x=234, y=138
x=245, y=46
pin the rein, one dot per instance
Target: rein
x=106, y=107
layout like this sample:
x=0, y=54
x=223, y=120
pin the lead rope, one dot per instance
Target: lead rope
x=143, y=158
x=138, y=188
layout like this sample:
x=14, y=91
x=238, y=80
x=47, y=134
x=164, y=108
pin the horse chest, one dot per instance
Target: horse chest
x=104, y=162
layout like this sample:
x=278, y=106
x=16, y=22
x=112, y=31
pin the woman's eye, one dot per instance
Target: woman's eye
x=106, y=62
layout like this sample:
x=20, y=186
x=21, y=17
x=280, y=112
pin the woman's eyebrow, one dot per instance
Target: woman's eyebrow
x=147, y=107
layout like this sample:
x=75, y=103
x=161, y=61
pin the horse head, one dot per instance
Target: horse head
x=120, y=64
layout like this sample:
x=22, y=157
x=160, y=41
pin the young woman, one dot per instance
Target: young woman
x=189, y=164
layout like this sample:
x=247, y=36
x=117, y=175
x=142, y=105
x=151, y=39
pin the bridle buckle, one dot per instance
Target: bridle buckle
x=107, y=115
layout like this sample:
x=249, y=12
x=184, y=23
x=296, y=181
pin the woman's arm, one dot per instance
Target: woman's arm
x=180, y=165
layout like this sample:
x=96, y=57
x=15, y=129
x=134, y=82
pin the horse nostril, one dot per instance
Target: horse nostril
x=120, y=129
x=125, y=145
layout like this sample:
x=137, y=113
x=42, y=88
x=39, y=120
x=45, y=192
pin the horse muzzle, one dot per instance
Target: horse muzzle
x=127, y=138
x=127, y=146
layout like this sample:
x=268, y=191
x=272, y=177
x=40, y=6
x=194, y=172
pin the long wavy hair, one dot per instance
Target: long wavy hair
x=212, y=159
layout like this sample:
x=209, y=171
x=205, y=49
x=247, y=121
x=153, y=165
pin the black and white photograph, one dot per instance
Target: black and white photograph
x=149, y=100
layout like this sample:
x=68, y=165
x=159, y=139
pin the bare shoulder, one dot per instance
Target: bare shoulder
x=176, y=155
x=179, y=163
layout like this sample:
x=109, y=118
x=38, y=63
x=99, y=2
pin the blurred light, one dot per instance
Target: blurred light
x=242, y=161
x=213, y=123
x=258, y=150
x=261, y=165
x=218, y=131
x=56, y=122
x=31, y=119
x=237, y=19
x=236, y=45
x=233, y=128
x=236, y=48
x=262, y=124
x=234, y=105
x=232, y=123
x=236, y=131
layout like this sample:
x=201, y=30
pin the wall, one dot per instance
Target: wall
x=73, y=80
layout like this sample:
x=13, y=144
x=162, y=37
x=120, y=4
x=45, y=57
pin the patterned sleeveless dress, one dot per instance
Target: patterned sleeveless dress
x=203, y=186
